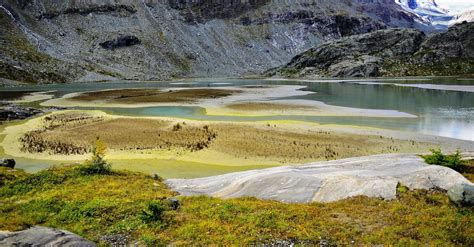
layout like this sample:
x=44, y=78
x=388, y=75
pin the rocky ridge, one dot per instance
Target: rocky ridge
x=60, y=41
x=390, y=52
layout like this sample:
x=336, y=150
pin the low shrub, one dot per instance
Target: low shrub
x=452, y=161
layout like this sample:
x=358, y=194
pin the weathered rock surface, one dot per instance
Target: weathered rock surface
x=9, y=163
x=121, y=41
x=462, y=194
x=391, y=52
x=373, y=176
x=59, y=40
x=10, y=112
x=43, y=236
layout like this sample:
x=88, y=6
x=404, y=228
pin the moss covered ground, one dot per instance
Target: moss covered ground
x=95, y=206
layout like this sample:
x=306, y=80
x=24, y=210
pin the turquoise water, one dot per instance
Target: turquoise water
x=440, y=112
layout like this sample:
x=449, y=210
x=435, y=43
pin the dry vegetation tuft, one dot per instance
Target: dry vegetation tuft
x=73, y=133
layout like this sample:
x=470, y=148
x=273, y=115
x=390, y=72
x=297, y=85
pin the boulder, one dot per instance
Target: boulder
x=462, y=194
x=373, y=176
x=9, y=163
x=43, y=236
x=174, y=203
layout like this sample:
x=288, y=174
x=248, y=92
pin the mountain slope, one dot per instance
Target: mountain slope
x=154, y=40
x=391, y=52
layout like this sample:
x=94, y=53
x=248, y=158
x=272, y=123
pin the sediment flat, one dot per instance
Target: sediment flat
x=231, y=101
x=68, y=135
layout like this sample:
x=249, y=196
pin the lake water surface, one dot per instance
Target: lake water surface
x=440, y=112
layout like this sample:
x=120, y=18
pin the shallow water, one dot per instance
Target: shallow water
x=440, y=112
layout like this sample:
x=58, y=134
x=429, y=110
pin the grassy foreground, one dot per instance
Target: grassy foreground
x=95, y=206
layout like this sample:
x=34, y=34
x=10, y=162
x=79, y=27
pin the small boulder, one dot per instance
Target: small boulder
x=174, y=203
x=9, y=163
x=462, y=194
x=43, y=236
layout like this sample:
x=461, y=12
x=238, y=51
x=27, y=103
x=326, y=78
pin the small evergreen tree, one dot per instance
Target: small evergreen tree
x=97, y=163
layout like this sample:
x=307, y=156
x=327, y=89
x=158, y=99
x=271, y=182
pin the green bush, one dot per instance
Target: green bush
x=154, y=212
x=452, y=161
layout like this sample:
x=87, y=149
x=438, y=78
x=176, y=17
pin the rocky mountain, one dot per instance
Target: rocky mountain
x=389, y=52
x=67, y=40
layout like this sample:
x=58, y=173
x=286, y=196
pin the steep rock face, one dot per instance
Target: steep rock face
x=177, y=38
x=391, y=52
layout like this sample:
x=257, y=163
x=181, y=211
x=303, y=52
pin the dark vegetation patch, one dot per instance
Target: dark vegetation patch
x=133, y=96
x=13, y=95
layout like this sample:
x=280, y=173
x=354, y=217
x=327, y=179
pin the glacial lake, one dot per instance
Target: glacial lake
x=440, y=112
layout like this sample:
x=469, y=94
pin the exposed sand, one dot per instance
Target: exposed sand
x=459, y=88
x=388, y=81
x=235, y=94
x=299, y=108
x=235, y=144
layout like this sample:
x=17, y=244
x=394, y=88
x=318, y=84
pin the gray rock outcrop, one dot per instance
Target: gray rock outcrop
x=462, y=194
x=373, y=176
x=9, y=163
x=391, y=52
x=14, y=112
x=43, y=236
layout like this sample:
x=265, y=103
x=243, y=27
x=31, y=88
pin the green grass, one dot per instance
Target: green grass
x=135, y=204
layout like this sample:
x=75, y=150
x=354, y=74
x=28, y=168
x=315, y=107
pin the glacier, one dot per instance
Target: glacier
x=429, y=12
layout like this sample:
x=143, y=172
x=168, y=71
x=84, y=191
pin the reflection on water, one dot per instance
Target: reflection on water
x=443, y=113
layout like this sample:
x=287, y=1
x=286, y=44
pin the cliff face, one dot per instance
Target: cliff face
x=63, y=40
x=389, y=52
